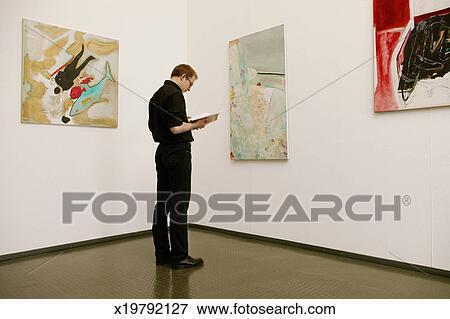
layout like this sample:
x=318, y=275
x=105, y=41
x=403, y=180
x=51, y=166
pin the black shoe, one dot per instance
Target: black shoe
x=162, y=261
x=187, y=262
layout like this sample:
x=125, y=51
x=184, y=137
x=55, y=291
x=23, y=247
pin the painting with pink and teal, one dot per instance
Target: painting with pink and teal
x=258, y=119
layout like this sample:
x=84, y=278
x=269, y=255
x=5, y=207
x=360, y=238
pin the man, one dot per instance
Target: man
x=170, y=127
x=66, y=77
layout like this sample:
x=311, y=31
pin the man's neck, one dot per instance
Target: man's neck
x=177, y=81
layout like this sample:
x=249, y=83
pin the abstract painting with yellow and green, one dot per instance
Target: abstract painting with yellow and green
x=258, y=120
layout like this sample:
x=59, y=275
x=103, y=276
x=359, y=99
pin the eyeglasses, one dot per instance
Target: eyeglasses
x=190, y=82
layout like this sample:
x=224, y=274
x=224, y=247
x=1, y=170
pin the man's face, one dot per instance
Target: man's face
x=187, y=83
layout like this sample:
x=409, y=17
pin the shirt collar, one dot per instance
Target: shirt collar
x=172, y=83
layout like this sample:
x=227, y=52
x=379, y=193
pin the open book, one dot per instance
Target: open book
x=210, y=117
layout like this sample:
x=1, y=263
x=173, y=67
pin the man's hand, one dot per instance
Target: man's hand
x=186, y=126
x=199, y=124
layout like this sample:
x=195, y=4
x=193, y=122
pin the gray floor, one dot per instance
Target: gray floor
x=234, y=268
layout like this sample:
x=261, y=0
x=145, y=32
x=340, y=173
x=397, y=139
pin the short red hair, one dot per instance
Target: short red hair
x=184, y=69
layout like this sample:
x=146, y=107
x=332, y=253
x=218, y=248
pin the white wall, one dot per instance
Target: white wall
x=337, y=144
x=39, y=162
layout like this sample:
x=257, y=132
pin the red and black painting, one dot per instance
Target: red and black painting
x=412, y=45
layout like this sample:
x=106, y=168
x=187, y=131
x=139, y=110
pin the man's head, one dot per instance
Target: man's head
x=185, y=76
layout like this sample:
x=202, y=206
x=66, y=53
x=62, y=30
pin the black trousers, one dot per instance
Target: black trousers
x=173, y=168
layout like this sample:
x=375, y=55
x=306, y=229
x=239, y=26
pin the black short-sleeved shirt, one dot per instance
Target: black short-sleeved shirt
x=172, y=112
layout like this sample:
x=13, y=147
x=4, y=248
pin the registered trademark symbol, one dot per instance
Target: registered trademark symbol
x=406, y=200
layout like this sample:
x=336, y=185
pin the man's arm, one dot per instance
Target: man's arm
x=188, y=126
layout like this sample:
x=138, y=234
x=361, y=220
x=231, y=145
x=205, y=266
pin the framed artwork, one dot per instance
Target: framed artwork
x=258, y=119
x=412, y=45
x=68, y=77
